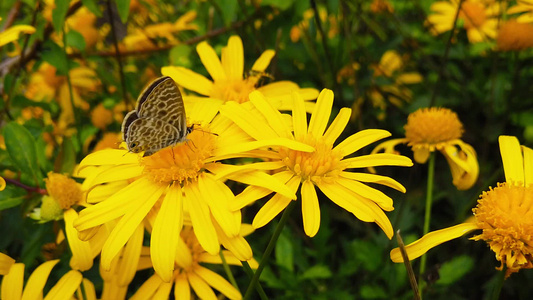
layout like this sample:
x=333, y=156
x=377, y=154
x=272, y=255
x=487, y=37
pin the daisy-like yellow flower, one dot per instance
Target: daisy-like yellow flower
x=12, y=33
x=430, y=129
x=326, y=168
x=229, y=82
x=330, y=23
x=479, y=18
x=503, y=214
x=68, y=287
x=525, y=8
x=181, y=180
x=189, y=273
x=514, y=36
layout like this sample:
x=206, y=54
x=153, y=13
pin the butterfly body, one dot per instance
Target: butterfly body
x=158, y=120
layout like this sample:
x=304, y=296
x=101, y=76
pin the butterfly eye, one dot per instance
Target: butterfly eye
x=134, y=144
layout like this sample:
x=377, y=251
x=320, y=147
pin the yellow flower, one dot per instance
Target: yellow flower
x=189, y=273
x=503, y=214
x=5, y=263
x=110, y=140
x=514, y=36
x=526, y=8
x=381, y=6
x=181, y=180
x=2, y=183
x=325, y=168
x=430, y=129
x=101, y=117
x=12, y=33
x=68, y=287
x=84, y=21
x=228, y=82
x=479, y=17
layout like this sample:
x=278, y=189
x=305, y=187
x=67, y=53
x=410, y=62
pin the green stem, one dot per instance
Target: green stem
x=427, y=215
x=269, y=249
x=499, y=284
x=228, y=271
x=250, y=273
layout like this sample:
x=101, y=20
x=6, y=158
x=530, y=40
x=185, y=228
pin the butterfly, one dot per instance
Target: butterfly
x=158, y=120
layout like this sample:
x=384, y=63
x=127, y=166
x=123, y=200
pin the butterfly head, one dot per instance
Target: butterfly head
x=136, y=146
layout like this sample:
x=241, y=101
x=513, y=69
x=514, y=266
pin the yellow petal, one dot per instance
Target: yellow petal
x=130, y=258
x=272, y=115
x=279, y=142
x=182, y=290
x=82, y=259
x=200, y=287
x=299, y=117
x=363, y=190
x=310, y=209
x=263, y=61
x=116, y=205
x=211, y=62
x=37, y=280
x=103, y=191
x=166, y=233
x=5, y=263
x=2, y=184
x=337, y=126
x=247, y=121
x=12, y=282
x=218, y=282
x=320, y=116
x=127, y=225
x=183, y=256
x=189, y=79
x=148, y=289
x=12, y=33
x=218, y=196
x=110, y=157
x=65, y=287
x=528, y=165
x=163, y=292
x=233, y=58
x=373, y=178
x=378, y=159
x=253, y=193
x=409, y=78
x=360, y=139
x=513, y=164
x=201, y=219
x=274, y=206
x=463, y=164
x=238, y=246
x=432, y=239
x=421, y=155
x=116, y=173
x=88, y=290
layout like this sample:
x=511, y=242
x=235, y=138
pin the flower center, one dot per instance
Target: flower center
x=473, y=14
x=65, y=191
x=429, y=127
x=505, y=214
x=321, y=164
x=234, y=90
x=181, y=162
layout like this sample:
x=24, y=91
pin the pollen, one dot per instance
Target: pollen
x=321, y=164
x=182, y=162
x=473, y=14
x=65, y=191
x=432, y=128
x=234, y=90
x=505, y=214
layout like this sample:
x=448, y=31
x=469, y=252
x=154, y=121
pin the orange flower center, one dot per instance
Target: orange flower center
x=505, y=214
x=181, y=162
x=321, y=164
x=234, y=90
x=65, y=191
x=432, y=127
x=473, y=14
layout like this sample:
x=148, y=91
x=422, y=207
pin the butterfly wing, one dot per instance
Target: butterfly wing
x=162, y=100
x=149, y=135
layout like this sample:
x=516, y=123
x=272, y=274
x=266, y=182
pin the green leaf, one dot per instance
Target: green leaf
x=229, y=10
x=123, y=7
x=21, y=148
x=75, y=39
x=54, y=55
x=66, y=159
x=179, y=56
x=284, y=252
x=11, y=197
x=59, y=13
x=315, y=272
x=281, y=4
x=373, y=292
x=455, y=269
x=92, y=6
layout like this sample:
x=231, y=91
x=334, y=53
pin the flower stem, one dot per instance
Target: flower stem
x=427, y=216
x=499, y=284
x=269, y=249
x=228, y=271
x=250, y=272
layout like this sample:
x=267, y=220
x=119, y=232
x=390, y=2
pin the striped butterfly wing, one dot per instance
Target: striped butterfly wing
x=149, y=135
x=162, y=100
